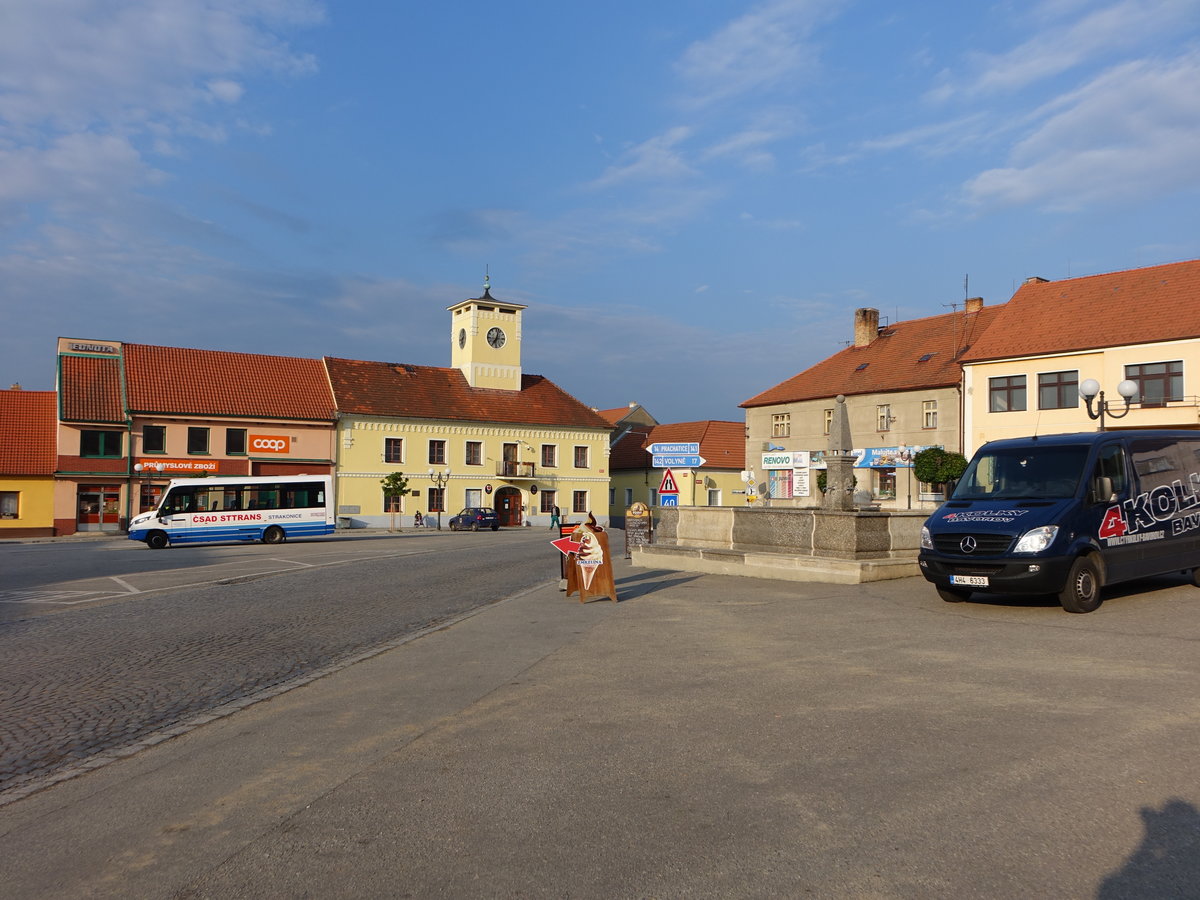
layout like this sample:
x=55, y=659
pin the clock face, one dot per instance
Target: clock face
x=495, y=337
x=462, y=338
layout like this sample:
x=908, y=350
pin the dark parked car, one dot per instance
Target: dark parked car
x=475, y=517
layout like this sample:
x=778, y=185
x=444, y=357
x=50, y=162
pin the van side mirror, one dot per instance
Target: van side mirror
x=1102, y=489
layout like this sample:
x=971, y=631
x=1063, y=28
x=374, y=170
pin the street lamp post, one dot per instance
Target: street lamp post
x=147, y=472
x=440, y=480
x=1090, y=391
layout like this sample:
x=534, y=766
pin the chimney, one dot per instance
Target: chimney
x=974, y=304
x=1035, y=279
x=16, y=386
x=866, y=326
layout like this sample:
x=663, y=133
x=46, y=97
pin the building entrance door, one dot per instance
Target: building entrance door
x=508, y=506
x=99, y=507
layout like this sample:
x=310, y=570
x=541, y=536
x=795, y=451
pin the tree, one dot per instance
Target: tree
x=395, y=485
x=935, y=465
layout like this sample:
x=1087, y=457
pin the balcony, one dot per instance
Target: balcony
x=513, y=470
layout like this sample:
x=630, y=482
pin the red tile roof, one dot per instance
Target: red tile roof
x=432, y=392
x=220, y=383
x=613, y=416
x=1135, y=306
x=906, y=356
x=28, y=425
x=722, y=444
x=90, y=387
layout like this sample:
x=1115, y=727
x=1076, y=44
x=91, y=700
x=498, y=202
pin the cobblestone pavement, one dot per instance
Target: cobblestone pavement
x=95, y=683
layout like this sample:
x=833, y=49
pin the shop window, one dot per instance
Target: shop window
x=779, y=484
x=154, y=438
x=100, y=443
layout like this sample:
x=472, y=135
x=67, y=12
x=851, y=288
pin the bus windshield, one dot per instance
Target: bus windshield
x=1037, y=473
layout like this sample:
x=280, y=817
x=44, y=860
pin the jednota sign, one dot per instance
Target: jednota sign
x=270, y=443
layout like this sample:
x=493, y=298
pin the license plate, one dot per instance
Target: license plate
x=971, y=580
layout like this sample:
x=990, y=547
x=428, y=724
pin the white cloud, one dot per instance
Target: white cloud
x=656, y=159
x=762, y=49
x=1131, y=132
x=1060, y=47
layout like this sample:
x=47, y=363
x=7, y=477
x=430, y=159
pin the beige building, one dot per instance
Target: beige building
x=902, y=386
x=1142, y=325
x=480, y=433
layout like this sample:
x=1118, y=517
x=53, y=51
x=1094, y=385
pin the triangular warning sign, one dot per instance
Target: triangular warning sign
x=668, y=485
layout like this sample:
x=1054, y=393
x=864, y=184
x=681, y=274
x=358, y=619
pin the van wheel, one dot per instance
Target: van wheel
x=273, y=535
x=1081, y=594
x=953, y=595
x=157, y=540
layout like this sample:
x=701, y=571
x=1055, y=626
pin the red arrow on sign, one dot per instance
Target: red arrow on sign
x=567, y=546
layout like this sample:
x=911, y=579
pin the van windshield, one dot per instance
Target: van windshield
x=1025, y=473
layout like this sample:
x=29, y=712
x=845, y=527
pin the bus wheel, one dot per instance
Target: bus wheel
x=273, y=535
x=157, y=540
x=1082, y=591
x=952, y=595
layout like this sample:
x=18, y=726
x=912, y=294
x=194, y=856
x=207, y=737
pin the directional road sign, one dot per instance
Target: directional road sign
x=676, y=461
x=686, y=448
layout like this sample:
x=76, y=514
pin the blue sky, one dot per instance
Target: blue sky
x=691, y=197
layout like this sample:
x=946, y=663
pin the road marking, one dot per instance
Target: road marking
x=125, y=584
x=61, y=598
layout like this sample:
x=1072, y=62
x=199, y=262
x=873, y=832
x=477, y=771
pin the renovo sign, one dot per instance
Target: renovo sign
x=270, y=443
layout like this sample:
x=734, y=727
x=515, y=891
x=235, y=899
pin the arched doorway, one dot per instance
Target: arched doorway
x=508, y=506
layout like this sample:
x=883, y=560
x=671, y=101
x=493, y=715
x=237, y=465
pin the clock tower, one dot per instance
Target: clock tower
x=485, y=341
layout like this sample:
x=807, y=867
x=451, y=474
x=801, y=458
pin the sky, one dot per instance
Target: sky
x=691, y=197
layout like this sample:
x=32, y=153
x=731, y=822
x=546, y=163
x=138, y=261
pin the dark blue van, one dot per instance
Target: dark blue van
x=1067, y=514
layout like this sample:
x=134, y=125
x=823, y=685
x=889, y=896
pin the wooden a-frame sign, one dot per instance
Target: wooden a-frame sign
x=589, y=564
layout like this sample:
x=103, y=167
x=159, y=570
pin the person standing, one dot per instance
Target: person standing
x=554, y=517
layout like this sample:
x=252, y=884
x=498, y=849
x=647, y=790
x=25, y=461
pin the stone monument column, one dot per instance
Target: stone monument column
x=839, y=460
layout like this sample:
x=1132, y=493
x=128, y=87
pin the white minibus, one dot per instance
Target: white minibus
x=270, y=509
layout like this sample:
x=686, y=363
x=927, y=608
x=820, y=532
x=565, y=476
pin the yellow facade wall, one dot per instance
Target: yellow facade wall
x=35, y=505
x=361, y=466
x=1105, y=366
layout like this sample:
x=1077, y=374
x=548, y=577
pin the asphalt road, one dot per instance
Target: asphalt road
x=105, y=643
